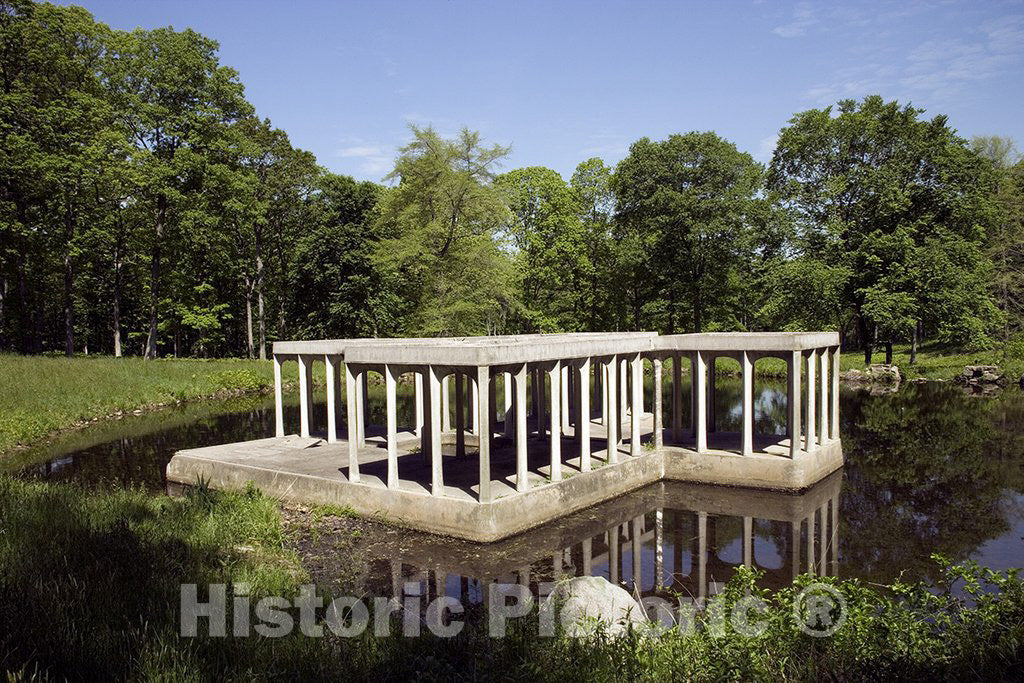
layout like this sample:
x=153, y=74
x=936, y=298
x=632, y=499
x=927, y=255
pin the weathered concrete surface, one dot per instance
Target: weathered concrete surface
x=527, y=348
x=312, y=472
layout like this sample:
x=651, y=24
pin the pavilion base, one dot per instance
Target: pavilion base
x=306, y=471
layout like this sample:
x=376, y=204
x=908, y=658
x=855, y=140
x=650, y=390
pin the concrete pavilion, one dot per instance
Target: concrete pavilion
x=542, y=425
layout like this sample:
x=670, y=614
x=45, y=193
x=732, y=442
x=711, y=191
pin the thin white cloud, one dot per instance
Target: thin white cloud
x=368, y=160
x=359, y=151
x=803, y=18
x=936, y=69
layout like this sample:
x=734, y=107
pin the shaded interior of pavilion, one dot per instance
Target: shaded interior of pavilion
x=665, y=387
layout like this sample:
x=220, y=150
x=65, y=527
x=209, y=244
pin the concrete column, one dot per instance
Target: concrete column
x=694, y=400
x=658, y=426
x=460, y=415
x=811, y=432
x=810, y=543
x=701, y=393
x=352, y=419
x=793, y=396
x=535, y=398
x=278, y=400
x=476, y=424
x=509, y=422
x=599, y=390
x=636, y=368
x=748, y=542
x=712, y=381
x=391, y=397
x=601, y=371
x=824, y=403
x=748, y=403
x=613, y=553
x=362, y=414
x=304, y=381
x=491, y=410
x=434, y=401
x=446, y=421
x=563, y=384
x=623, y=388
x=522, y=465
x=612, y=416
x=588, y=556
x=483, y=376
x=638, y=579
x=834, y=414
x=583, y=426
x=702, y=555
x=332, y=416
x=418, y=381
x=555, y=376
x=677, y=398
x=659, y=549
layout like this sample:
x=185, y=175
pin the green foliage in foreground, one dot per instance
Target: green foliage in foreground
x=41, y=394
x=89, y=589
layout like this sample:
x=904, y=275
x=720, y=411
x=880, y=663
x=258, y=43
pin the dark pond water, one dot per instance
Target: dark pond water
x=928, y=469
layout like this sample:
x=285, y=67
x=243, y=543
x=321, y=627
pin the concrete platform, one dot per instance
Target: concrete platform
x=308, y=470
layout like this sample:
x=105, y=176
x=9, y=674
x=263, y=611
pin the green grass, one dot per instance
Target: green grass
x=90, y=590
x=40, y=395
x=940, y=362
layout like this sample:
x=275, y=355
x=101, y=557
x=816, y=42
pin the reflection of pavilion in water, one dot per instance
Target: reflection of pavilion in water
x=668, y=537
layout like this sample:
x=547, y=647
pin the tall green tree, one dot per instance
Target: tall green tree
x=1005, y=246
x=899, y=206
x=176, y=99
x=549, y=249
x=338, y=289
x=440, y=226
x=684, y=205
x=591, y=185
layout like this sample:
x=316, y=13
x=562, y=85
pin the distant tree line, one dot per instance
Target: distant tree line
x=146, y=209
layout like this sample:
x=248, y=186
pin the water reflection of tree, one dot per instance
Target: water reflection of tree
x=928, y=471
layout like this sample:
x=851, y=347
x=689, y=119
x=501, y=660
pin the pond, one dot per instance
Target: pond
x=929, y=469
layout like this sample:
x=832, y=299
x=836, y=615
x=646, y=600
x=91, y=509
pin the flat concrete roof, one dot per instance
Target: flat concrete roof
x=538, y=348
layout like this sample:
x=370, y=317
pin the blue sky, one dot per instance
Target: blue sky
x=564, y=81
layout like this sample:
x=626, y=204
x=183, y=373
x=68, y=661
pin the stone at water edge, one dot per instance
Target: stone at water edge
x=981, y=374
x=880, y=372
x=583, y=601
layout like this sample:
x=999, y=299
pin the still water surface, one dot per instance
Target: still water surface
x=928, y=469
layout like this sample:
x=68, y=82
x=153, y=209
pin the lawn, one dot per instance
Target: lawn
x=42, y=394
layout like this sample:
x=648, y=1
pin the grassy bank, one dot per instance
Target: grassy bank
x=933, y=362
x=89, y=590
x=940, y=362
x=40, y=395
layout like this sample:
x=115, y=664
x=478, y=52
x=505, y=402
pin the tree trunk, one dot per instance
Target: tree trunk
x=865, y=340
x=671, y=310
x=248, y=317
x=913, y=344
x=117, y=304
x=888, y=352
x=697, y=312
x=259, y=308
x=161, y=215
x=69, y=312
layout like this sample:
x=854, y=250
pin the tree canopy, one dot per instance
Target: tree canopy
x=146, y=208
